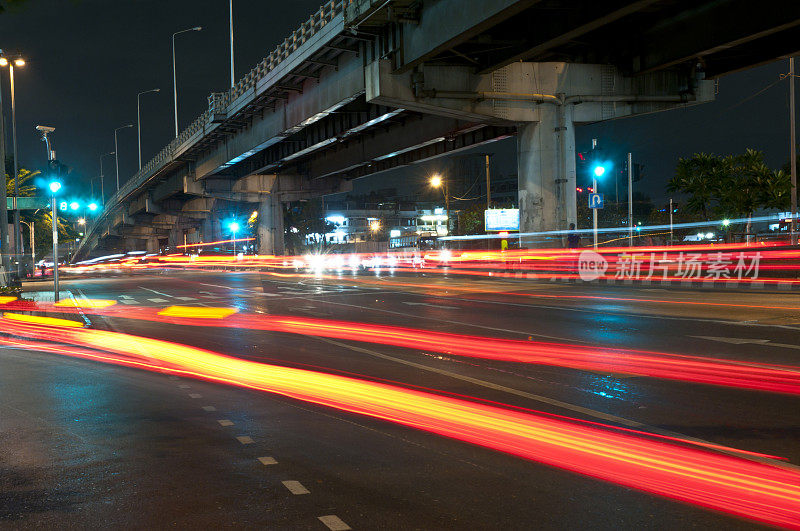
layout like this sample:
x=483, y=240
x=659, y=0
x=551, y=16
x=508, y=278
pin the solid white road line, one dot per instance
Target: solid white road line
x=209, y=408
x=334, y=523
x=244, y=439
x=295, y=487
x=268, y=460
x=225, y=422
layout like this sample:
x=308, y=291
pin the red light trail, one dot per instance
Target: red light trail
x=755, y=490
x=685, y=368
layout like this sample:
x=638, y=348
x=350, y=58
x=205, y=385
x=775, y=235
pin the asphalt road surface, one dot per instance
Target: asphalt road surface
x=86, y=444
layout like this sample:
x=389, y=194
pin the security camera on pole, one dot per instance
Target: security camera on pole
x=54, y=186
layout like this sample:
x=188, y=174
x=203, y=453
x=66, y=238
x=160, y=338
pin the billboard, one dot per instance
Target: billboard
x=502, y=219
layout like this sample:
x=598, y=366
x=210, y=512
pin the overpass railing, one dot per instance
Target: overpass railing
x=219, y=102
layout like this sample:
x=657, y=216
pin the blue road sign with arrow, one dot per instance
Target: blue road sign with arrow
x=596, y=200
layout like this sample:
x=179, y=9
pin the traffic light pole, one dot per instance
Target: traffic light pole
x=594, y=191
x=54, y=220
x=594, y=213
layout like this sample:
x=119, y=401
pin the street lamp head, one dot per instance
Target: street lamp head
x=74, y=205
x=55, y=186
x=92, y=206
x=436, y=181
x=3, y=61
x=19, y=61
x=81, y=221
x=233, y=226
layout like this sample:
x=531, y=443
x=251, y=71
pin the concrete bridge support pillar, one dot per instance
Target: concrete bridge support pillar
x=546, y=171
x=152, y=245
x=175, y=237
x=207, y=230
x=269, y=228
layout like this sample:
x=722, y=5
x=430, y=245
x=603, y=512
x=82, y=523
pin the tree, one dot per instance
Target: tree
x=303, y=219
x=24, y=183
x=471, y=219
x=734, y=186
x=698, y=177
x=41, y=219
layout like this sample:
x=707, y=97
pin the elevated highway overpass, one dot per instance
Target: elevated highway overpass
x=364, y=86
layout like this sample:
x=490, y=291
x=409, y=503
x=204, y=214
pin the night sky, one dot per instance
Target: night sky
x=87, y=59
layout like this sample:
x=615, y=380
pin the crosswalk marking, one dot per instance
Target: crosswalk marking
x=295, y=487
x=334, y=523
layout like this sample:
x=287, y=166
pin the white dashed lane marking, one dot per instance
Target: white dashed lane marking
x=128, y=301
x=186, y=298
x=295, y=487
x=244, y=439
x=125, y=297
x=334, y=523
x=209, y=408
x=225, y=422
x=268, y=461
x=184, y=386
x=158, y=300
x=195, y=395
x=156, y=292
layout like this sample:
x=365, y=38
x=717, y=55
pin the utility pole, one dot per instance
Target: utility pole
x=792, y=152
x=630, y=200
x=670, y=220
x=488, y=197
x=488, y=186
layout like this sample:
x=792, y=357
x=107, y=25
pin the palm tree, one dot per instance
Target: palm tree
x=698, y=177
x=25, y=187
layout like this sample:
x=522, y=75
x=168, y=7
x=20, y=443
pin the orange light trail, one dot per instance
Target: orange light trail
x=686, y=368
x=755, y=490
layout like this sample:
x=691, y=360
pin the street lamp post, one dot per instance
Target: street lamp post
x=139, y=122
x=55, y=186
x=233, y=74
x=5, y=262
x=116, y=149
x=174, y=77
x=18, y=62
